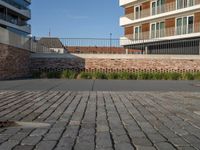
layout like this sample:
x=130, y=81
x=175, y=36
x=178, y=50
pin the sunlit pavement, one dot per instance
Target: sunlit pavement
x=100, y=120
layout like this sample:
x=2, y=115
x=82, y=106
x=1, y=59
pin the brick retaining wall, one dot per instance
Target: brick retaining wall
x=14, y=62
x=115, y=63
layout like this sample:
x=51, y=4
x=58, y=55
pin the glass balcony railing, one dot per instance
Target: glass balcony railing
x=158, y=34
x=17, y=5
x=13, y=20
x=158, y=10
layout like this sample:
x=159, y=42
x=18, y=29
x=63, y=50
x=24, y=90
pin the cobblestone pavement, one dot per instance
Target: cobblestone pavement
x=101, y=120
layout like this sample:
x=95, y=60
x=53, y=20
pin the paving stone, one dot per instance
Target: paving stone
x=66, y=142
x=165, y=146
x=191, y=139
x=24, y=147
x=8, y=145
x=145, y=148
x=125, y=120
x=186, y=148
x=52, y=137
x=84, y=146
x=31, y=140
x=18, y=137
x=85, y=132
x=44, y=145
x=178, y=142
x=156, y=138
x=103, y=139
x=39, y=132
x=124, y=146
x=141, y=141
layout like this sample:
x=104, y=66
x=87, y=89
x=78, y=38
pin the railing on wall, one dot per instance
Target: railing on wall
x=166, y=32
x=152, y=45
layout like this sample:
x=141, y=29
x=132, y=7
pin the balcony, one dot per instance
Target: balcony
x=29, y=1
x=164, y=34
x=16, y=7
x=14, y=23
x=159, y=11
x=125, y=2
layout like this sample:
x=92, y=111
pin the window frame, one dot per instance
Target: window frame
x=187, y=25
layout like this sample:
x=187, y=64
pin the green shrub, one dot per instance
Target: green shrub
x=86, y=75
x=53, y=74
x=145, y=76
x=68, y=74
x=133, y=76
x=43, y=75
x=100, y=75
x=158, y=76
x=113, y=75
x=188, y=76
x=175, y=76
x=36, y=74
x=197, y=76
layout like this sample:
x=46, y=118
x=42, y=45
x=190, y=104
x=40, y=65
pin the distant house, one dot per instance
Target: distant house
x=53, y=44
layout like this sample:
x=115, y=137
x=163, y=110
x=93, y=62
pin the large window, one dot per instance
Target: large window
x=137, y=32
x=157, y=7
x=184, y=3
x=157, y=30
x=137, y=11
x=185, y=25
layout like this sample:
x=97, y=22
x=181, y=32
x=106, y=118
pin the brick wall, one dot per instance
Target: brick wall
x=108, y=63
x=14, y=62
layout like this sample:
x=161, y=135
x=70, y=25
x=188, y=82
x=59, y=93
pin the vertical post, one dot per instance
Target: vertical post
x=146, y=49
x=199, y=46
x=110, y=41
x=126, y=51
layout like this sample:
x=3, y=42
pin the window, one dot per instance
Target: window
x=185, y=25
x=137, y=13
x=184, y=3
x=137, y=32
x=190, y=24
x=157, y=30
x=157, y=7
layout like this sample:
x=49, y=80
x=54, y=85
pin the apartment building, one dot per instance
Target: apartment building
x=14, y=15
x=161, y=26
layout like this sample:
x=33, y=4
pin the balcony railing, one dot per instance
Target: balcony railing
x=157, y=10
x=167, y=32
x=13, y=3
x=21, y=25
x=13, y=20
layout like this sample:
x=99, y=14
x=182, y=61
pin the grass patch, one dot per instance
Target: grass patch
x=68, y=74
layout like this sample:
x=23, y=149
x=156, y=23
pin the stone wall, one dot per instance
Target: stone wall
x=115, y=63
x=14, y=62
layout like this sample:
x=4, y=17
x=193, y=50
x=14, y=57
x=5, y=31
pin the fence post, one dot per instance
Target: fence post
x=126, y=51
x=199, y=46
x=146, y=49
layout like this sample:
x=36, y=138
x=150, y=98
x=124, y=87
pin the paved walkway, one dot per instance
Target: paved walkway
x=101, y=120
x=100, y=85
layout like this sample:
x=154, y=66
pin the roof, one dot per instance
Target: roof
x=50, y=42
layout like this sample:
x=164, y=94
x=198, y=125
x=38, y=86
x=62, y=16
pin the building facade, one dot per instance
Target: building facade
x=14, y=16
x=161, y=26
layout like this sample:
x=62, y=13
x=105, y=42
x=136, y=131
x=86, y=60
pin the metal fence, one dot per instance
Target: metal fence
x=190, y=46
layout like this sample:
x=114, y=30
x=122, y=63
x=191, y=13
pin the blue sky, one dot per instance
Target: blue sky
x=76, y=18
